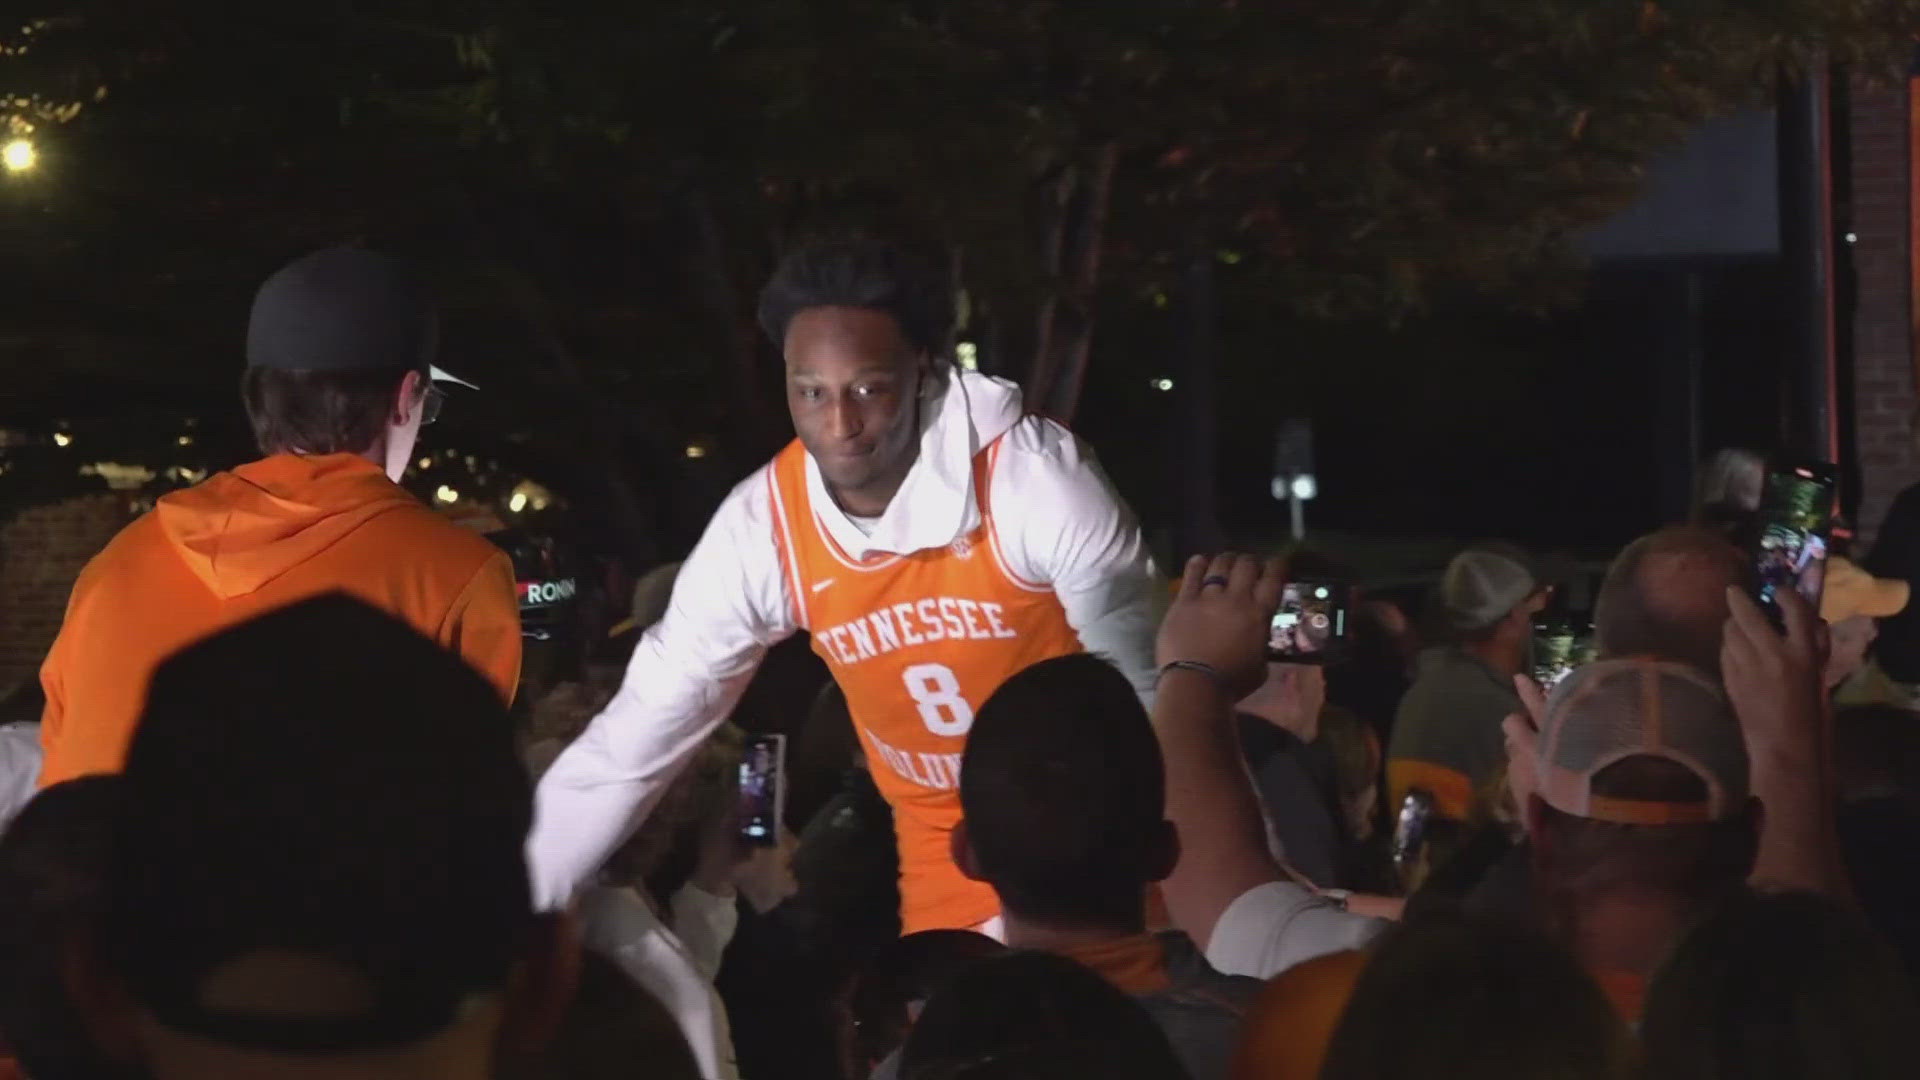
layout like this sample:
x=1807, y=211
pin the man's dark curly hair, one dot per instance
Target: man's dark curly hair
x=862, y=273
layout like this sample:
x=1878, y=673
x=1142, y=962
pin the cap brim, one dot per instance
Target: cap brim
x=1887, y=598
x=441, y=375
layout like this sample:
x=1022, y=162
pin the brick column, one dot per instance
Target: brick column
x=1883, y=362
x=42, y=550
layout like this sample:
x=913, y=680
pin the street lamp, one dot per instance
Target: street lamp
x=19, y=155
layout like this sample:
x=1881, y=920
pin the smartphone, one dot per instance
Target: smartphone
x=1559, y=646
x=763, y=789
x=1311, y=625
x=1410, y=829
x=1791, y=533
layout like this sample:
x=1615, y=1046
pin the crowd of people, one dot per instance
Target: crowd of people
x=300, y=792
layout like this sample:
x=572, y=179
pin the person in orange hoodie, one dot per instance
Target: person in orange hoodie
x=339, y=381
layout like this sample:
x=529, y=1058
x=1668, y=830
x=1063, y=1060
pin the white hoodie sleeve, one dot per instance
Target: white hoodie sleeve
x=1060, y=522
x=729, y=605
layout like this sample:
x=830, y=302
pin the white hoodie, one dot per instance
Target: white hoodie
x=1060, y=522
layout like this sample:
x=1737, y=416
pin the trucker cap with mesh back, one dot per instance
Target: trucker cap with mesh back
x=1484, y=583
x=324, y=791
x=1615, y=710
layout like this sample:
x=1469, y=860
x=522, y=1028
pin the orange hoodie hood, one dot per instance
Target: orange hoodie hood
x=242, y=529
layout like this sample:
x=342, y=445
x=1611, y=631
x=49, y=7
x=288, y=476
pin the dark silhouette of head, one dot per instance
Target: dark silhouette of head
x=1775, y=986
x=1063, y=793
x=1451, y=995
x=1035, y=1014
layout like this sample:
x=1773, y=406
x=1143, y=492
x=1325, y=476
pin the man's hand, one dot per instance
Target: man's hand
x=1221, y=617
x=765, y=876
x=1849, y=639
x=1522, y=731
x=1774, y=683
x=1773, y=680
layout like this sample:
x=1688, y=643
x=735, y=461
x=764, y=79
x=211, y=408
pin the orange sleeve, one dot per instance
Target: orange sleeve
x=53, y=718
x=484, y=625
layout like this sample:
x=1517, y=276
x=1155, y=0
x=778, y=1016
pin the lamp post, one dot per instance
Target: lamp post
x=1293, y=478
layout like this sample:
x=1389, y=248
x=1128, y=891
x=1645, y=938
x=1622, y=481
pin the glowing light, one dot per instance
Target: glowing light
x=968, y=354
x=1304, y=487
x=1853, y=238
x=446, y=494
x=61, y=438
x=19, y=155
x=185, y=440
x=426, y=463
x=535, y=496
x=119, y=476
x=695, y=450
x=1162, y=384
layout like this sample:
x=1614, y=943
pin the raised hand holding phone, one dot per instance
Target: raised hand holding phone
x=1221, y=617
x=1773, y=679
x=1773, y=676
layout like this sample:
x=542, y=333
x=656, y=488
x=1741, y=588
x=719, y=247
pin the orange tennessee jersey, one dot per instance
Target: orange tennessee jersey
x=917, y=642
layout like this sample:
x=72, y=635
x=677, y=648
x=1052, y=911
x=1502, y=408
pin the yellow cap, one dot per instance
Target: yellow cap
x=1852, y=591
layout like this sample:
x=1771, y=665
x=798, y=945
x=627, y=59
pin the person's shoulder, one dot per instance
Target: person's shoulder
x=1047, y=467
x=1042, y=438
x=747, y=512
x=1193, y=977
x=131, y=552
x=418, y=530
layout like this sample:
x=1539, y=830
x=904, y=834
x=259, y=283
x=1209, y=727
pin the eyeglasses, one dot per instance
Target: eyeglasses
x=430, y=405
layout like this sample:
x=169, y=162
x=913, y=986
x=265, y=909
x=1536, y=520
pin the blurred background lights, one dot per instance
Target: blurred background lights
x=19, y=155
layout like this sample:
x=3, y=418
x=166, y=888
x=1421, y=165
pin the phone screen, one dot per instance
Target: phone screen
x=763, y=789
x=1311, y=623
x=1792, y=530
x=1410, y=828
x=1558, y=648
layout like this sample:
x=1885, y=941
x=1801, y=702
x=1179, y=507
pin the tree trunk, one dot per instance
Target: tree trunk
x=639, y=538
x=757, y=430
x=1073, y=261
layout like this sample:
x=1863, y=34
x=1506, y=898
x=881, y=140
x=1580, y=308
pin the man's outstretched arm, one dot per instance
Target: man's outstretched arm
x=1228, y=893
x=729, y=604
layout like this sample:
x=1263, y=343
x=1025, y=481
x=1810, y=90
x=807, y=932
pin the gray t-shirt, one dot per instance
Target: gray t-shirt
x=1451, y=715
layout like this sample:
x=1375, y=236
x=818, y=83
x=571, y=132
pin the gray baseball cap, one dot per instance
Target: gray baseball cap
x=1484, y=583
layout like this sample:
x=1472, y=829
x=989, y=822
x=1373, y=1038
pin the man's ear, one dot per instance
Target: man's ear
x=543, y=985
x=106, y=1010
x=410, y=396
x=962, y=850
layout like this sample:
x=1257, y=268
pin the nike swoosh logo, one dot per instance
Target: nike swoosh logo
x=820, y=586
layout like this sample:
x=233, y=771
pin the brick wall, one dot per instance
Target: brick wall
x=41, y=552
x=1884, y=395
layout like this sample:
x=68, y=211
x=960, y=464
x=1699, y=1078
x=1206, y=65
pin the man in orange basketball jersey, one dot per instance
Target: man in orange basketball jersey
x=931, y=537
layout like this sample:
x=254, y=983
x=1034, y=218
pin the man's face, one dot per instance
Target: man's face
x=852, y=383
